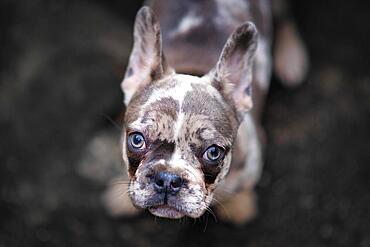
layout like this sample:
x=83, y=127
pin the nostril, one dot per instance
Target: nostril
x=159, y=181
x=176, y=182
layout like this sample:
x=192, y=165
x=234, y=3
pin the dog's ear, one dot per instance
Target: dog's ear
x=232, y=75
x=147, y=62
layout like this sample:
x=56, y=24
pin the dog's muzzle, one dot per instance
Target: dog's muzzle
x=167, y=185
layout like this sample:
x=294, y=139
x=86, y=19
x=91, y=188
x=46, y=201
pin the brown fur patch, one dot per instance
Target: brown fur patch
x=200, y=102
x=137, y=101
x=164, y=106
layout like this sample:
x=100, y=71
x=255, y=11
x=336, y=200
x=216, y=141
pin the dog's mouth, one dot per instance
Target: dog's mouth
x=166, y=211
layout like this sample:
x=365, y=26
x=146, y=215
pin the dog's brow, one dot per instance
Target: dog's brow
x=160, y=112
x=208, y=108
x=166, y=105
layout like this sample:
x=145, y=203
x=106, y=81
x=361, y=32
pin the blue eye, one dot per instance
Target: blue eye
x=136, y=141
x=213, y=153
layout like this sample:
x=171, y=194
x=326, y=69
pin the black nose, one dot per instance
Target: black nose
x=167, y=182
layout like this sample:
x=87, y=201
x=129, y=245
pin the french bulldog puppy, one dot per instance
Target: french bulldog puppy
x=182, y=133
x=191, y=141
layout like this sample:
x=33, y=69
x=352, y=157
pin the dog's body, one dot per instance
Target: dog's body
x=188, y=140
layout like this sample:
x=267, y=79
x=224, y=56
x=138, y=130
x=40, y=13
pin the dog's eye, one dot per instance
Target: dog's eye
x=214, y=153
x=136, y=141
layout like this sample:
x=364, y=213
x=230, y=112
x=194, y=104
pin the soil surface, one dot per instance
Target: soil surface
x=60, y=68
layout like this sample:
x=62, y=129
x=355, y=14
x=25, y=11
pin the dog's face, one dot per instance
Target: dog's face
x=179, y=129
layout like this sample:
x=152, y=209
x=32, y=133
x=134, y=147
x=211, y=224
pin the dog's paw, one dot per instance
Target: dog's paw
x=101, y=159
x=239, y=209
x=116, y=201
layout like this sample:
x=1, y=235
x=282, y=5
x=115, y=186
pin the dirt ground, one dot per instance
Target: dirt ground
x=61, y=65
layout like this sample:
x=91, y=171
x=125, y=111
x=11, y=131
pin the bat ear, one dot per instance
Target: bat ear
x=232, y=75
x=147, y=62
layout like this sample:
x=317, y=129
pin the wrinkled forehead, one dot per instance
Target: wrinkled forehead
x=178, y=104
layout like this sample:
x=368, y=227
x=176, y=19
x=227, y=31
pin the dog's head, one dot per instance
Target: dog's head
x=179, y=129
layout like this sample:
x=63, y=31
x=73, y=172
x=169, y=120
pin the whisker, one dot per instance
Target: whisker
x=205, y=226
x=209, y=210
x=124, y=193
x=120, y=183
x=225, y=190
x=223, y=207
x=114, y=123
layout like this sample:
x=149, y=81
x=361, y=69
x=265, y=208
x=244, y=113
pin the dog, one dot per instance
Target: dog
x=193, y=140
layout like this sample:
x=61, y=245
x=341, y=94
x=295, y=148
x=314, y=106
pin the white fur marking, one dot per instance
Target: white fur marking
x=177, y=162
x=191, y=20
x=178, y=92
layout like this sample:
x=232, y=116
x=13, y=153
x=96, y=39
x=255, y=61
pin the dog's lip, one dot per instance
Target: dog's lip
x=166, y=211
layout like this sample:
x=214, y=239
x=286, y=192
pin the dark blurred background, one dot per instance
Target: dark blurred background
x=61, y=65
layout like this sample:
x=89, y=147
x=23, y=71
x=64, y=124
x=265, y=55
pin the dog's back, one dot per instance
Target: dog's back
x=194, y=33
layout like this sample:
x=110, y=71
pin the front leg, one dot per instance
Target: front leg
x=238, y=209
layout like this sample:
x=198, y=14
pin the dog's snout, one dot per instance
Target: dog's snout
x=167, y=182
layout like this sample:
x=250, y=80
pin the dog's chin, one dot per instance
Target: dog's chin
x=166, y=211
